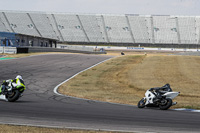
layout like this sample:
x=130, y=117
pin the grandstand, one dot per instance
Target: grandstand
x=126, y=29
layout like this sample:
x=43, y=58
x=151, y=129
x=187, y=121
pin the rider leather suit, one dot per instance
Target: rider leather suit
x=161, y=90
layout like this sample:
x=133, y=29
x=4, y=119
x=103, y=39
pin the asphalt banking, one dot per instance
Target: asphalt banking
x=40, y=106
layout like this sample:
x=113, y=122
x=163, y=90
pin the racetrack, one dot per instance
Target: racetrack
x=40, y=106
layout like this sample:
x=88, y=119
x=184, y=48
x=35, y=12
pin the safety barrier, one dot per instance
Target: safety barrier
x=147, y=49
x=75, y=47
x=1, y=50
x=8, y=50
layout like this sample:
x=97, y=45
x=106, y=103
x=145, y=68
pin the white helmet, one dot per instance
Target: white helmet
x=19, y=77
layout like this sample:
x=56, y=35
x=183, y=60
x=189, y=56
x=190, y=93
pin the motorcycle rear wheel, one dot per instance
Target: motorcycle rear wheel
x=168, y=104
x=141, y=103
x=14, y=96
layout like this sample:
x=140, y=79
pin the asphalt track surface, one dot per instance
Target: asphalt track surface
x=40, y=106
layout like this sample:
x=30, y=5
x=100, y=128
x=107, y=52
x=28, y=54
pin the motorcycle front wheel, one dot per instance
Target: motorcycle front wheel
x=141, y=103
x=165, y=104
x=13, y=96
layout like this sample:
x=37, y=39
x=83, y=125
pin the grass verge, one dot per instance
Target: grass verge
x=28, y=129
x=31, y=54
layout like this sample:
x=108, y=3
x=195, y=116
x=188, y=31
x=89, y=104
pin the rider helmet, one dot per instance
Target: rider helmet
x=19, y=77
x=167, y=87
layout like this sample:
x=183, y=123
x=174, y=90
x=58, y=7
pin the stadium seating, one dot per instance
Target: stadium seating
x=43, y=25
x=70, y=28
x=165, y=29
x=140, y=29
x=21, y=23
x=3, y=24
x=101, y=25
x=187, y=30
x=117, y=29
x=5, y=27
x=197, y=34
x=54, y=26
x=91, y=27
x=104, y=28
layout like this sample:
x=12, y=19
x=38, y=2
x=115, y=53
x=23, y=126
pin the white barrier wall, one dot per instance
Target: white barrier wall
x=93, y=48
x=1, y=50
x=75, y=47
x=8, y=50
x=143, y=48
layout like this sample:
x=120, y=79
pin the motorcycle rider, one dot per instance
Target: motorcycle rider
x=161, y=90
x=17, y=82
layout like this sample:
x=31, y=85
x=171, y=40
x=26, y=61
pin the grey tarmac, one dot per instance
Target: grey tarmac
x=40, y=106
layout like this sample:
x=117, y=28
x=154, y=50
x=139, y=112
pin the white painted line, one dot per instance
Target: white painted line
x=188, y=110
x=196, y=111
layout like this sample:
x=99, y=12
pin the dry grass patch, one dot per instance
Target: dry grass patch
x=105, y=82
x=182, y=72
x=31, y=54
x=125, y=79
x=27, y=129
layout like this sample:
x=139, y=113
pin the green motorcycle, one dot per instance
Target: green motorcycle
x=12, y=94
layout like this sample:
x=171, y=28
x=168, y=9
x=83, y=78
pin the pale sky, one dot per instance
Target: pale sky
x=143, y=7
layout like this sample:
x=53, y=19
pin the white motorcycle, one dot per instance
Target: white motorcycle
x=163, y=102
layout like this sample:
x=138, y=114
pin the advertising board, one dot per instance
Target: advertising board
x=8, y=50
x=1, y=50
